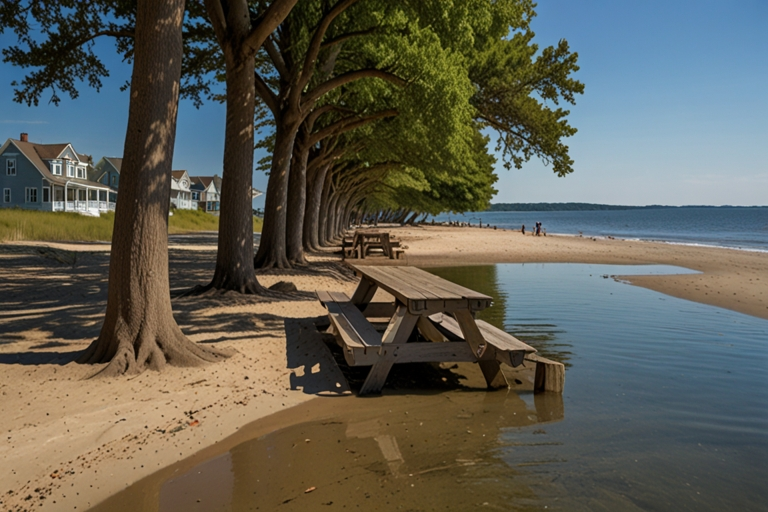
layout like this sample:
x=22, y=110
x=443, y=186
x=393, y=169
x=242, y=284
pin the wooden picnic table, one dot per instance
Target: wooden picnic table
x=442, y=312
x=360, y=244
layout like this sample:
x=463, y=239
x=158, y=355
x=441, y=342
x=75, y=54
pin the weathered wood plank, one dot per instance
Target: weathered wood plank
x=491, y=368
x=502, y=339
x=427, y=352
x=398, y=331
x=396, y=287
x=323, y=296
x=509, y=350
x=429, y=331
x=550, y=375
x=365, y=291
x=447, y=288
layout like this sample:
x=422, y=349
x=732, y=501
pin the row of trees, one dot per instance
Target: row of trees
x=365, y=106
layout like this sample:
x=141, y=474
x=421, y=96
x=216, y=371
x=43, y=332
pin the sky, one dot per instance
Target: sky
x=675, y=109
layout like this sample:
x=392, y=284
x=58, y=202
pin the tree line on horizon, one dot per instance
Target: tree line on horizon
x=367, y=108
x=575, y=207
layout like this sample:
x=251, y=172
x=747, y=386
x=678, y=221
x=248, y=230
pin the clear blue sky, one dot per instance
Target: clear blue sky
x=675, y=109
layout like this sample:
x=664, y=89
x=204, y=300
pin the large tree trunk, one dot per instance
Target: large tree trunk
x=313, y=213
x=272, y=248
x=330, y=233
x=234, y=260
x=297, y=192
x=325, y=209
x=139, y=330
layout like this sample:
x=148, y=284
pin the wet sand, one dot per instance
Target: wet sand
x=73, y=442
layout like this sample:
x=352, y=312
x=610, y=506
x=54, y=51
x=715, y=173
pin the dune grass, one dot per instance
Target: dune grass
x=17, y=224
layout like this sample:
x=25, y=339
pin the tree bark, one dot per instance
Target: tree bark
x=139, y=330
x=239, y=40
x=325, y=210
x=297, y=192
x=272, y=249
x=234, y=259
x=313, y=213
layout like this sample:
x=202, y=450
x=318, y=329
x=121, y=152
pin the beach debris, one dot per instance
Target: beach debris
x=194, y=423
x=310, y=489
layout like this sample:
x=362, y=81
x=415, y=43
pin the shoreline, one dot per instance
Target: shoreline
x=73, y=442
x=671, y=242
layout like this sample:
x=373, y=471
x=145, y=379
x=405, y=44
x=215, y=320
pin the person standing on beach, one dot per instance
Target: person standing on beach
x=523, y=230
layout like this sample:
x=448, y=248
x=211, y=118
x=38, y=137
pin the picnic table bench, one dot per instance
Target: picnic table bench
x=442, y=312
x=362, y=242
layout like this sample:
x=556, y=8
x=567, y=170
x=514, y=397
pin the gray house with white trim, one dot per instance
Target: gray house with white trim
x=107, y=172
x=49, y=177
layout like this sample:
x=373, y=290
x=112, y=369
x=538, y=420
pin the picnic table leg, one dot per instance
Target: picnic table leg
x=399, y=329
x=364, y=292
x=385, y=245
x=491, y=368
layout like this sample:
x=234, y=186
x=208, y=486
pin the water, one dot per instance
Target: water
x=743, y=228
x=665, y=408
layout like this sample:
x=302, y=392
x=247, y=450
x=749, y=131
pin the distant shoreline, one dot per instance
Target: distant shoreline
x=575, y=207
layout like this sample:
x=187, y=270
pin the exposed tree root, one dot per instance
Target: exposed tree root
x=220, y=287
x=132, y=354
x=270, y=260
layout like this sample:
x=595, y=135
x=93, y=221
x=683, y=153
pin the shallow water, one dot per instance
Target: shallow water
x=744, y=228
x=665, y=408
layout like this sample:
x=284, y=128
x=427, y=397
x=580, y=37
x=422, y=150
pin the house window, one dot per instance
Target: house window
x=81, y=195
x=81, y=172
x=70, y=171
x=114, y=179
x=56, y=169
x=30, y=195
x=195, y=196
x=10, y=167
x=46, y=194
x=6, y=195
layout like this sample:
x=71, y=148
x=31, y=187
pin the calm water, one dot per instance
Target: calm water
x=665, y=408
x=745, y=228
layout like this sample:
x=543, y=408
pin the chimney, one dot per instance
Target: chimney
x=24, y=137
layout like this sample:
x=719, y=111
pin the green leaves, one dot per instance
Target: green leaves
x=56, y=42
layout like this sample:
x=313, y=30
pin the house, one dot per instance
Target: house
x=181, y=194
x=49, y=177
x=107, y=172
x=206, y=190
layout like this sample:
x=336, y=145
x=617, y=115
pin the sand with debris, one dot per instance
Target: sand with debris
x=70, y=442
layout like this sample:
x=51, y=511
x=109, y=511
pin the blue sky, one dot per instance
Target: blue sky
x=675, y=109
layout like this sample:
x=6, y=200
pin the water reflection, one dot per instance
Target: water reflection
x=667, y=410
x=397, y=451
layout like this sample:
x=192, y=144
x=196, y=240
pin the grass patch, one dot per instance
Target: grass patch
x=17, y=224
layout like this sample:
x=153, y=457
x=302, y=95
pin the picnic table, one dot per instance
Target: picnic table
x=360, y=244
x=441, y=312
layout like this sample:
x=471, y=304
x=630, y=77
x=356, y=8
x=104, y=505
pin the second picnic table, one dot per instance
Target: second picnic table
x=442, y=312
x=363, y=240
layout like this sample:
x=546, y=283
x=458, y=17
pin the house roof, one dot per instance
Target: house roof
x=47, y=151
x=34, y=153
x=117, y=163
x=204, y=180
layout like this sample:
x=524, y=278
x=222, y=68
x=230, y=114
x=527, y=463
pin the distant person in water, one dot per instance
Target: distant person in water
x=523, y=230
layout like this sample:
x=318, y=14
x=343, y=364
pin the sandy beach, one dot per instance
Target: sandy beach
x=71, y=442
